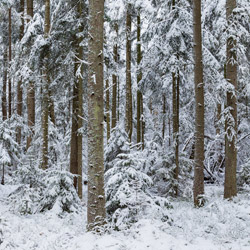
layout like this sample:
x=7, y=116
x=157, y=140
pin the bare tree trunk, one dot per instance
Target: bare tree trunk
x=19, y=84
x=198, y=189
x=139, y=77
x=129, y=114
x=10, y=55
x=114, y=78
x=96, y=199
x=230, y=188
x=175, y=83
x=107, y=110
x=77, y=112
x=4, y=97
x=45, y=106
x=31, y=87
x=74, y=130
x=80, y=104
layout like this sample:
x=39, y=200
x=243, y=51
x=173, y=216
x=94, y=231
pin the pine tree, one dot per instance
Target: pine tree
x=129, y=111
x=10, y=57
x=31, y=87
x=45, y=104
x=198, y=188
x=19, y=84
x=96, y=198
x=230, y=189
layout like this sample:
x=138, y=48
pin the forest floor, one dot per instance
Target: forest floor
x=218, y=225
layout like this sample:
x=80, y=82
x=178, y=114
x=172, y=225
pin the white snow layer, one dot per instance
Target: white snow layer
x=219, y=225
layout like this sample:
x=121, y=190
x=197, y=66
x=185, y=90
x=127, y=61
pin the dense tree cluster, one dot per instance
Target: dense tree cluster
x=139, y=100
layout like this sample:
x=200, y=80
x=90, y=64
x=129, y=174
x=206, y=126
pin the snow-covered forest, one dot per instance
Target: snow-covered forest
x=124, y=124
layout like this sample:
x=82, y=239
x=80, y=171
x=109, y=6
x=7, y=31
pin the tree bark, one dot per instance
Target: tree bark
x=129, y=112
x=80, y=102
x=114, y=78
x=45, y=106
x=175, y=83
x=230, y=188
x=31, y=87
x=77, y=112
x=198, y=189
x=139, y=94
x=107, y=110
x=96, y=197
x=4, y=97
x=19, y=84
x=10, y=55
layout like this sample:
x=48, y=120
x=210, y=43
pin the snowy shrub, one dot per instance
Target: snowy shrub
x=59, y=193
x=41, y=191
x=9, y=149
x=160, y=165
x=127, y=190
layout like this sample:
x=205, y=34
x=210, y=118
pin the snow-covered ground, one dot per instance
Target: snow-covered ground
x=219, y=225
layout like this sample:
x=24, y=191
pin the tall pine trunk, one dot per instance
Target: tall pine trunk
x=198, y=189
x=4, y=97
x=114, y=79
x=19, y=84
x=45, y=105
x=107, y=110
x=77, y=111
x=129, y=112
x=230, y=188
x=96, y=197
x=31, y=87
x=10, y=55
x=139, y=94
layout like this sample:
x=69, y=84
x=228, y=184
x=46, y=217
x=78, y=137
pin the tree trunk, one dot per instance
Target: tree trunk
x=45, y=106
x=114, y=78
x=96, y=197
x=77, y=112
x=4, y=97
x=139, y=77
x=19, y=84
x=230, y=188
x=129, y=114
x=198, y=189
x=80, y=103
x=107, y=110
x=31, y=87
x=74, y=130
x=10, y=55
x=175, y=83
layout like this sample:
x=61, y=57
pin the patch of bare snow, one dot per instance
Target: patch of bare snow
x=220, y=225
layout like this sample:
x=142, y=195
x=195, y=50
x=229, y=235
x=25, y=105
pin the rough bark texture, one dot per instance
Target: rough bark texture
x=139, y=94
x=19, y=84
x=175, y=127
x=198, y=189
x=45, y=106
x=77, y=112
x=230, y=188
x=74, y=128
x=129, y=119
x=96, y=198
x=31, y=87
x=10, y=55
x=114, y=78
x=4, y=97
x=107, y=109
x=80, y=103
